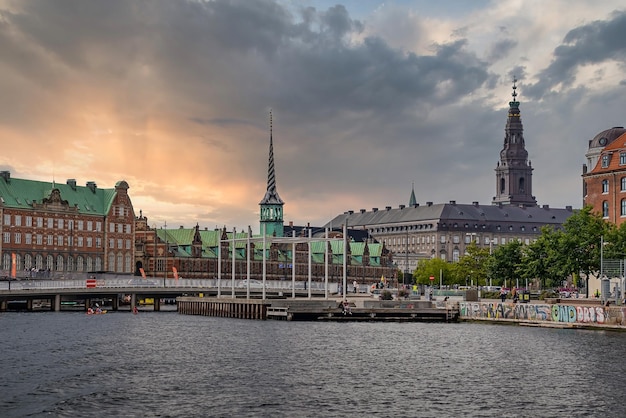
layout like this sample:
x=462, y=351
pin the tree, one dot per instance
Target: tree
x=539, y=258
x=472, y=266
x=579, y=246
x=505, y=263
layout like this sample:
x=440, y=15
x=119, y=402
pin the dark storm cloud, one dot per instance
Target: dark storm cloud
x=501, y=49
x=251, y=52
x=596, y=42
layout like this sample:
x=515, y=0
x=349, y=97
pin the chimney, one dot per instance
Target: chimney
x=71, y=183
x=475, y=203
x=92, y=186
x=453, y=202
x=6, y=175
x=388, y=208
x=374, y=209
x=429, y=203
x=362, y=211
x=402, y=206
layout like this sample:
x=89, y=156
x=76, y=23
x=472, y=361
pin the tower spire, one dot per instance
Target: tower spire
x=514, y=172
x=272, y=204
x=412, y=200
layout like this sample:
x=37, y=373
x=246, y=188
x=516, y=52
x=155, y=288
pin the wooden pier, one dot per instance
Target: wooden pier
x=319, y=309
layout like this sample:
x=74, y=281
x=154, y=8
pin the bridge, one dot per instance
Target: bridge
x=29, y=294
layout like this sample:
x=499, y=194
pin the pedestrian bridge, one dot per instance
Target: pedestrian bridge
x=57, y=291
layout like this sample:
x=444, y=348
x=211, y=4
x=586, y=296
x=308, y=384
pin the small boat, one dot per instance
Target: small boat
x=96, y=311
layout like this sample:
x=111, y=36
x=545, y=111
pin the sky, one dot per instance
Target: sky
x=368, y=99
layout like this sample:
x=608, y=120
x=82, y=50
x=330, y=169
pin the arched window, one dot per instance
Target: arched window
x=59, y=263
x=70, y=263
x=50, y=263
x=28, y=261
x=128, y=264
x=39, y=262
x=521, y=185
x=111, y=262
x=605, y=209
x=98, y=265
x=6, y=262
x=120, y=263
x=89, y=264
x=80, y=263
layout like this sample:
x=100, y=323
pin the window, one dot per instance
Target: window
x=29, y=221
x=128, y=231
x=39, y=239
x=622, y=211
x=18, y=238
x=28, y=239
x=605, y=160
x=89, y=242
x=89, y=226
x=7, y=219
x=456, y=239
x=120, y=244
x=50, y=223
x=443, y=239
x=111, y=227
x=605, y=186
x=98, y=228
x=39, y=222
x=128, y=244
x=455, y=255
x=60, y=240
x=605, y=209
x=18, y=220
x=50, y=240
x=623, y=184
x=80, y=241
x=98, y=242
x=60, y=223
x=622, y=158
x=6, y=237
x=111, y=243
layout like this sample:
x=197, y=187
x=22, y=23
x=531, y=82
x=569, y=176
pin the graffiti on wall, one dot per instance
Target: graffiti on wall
x=533, y=312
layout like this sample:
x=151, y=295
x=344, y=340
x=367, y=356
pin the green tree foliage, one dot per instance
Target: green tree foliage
x=505, y=263
x=434, y=267
x=471, y=268
x=539, y=258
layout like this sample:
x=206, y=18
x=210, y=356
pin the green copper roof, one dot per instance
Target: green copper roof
x=24, y=194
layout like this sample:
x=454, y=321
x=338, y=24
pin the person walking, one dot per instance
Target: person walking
x=502, y=295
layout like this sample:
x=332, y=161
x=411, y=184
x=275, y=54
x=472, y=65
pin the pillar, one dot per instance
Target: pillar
x=157, y=304
x=56, y=303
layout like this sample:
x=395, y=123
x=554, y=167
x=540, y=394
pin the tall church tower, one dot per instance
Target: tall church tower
x=514, y=171
x=272, y=204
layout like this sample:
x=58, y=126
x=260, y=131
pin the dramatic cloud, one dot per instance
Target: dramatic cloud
x=367, y=98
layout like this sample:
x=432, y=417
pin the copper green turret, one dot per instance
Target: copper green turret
x=272, y=204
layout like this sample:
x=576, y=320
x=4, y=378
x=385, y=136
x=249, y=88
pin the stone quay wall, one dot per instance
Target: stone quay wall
x=562, y=313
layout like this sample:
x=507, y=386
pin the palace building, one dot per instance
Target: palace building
x=52, y=230
x=445, y=230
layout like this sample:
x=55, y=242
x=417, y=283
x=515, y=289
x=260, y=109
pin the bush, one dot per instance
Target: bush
x=403, y=293
x=386, y=295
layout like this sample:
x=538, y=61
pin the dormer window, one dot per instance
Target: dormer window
x=605, y=160
x=622, y=158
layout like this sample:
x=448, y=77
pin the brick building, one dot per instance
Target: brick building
x=51, y=229
x=604, y=175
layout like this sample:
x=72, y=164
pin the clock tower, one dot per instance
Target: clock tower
x=272, y=204
x=514, y=171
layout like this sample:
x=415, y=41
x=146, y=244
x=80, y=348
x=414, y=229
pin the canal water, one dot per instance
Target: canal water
x=168, y=365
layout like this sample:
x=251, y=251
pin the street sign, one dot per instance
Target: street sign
x=432, y=278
